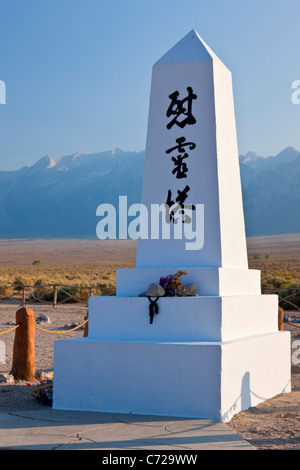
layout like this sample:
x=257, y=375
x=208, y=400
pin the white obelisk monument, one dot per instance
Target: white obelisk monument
x=209, y=355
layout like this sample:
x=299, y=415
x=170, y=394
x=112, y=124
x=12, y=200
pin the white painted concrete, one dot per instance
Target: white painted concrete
x=213, y=176
x=182, y=318
x=210, y=281
x=205, y=379
x=254, y=370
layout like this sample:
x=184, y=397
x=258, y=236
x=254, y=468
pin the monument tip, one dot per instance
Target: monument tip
x=191, y=48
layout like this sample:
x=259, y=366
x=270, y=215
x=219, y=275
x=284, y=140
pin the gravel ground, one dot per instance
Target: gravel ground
x=17, y=396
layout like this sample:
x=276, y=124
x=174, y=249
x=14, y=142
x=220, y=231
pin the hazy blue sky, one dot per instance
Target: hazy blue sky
x=78, y=71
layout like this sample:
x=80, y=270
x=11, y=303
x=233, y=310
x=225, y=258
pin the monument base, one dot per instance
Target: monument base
x=186, y=379
x=210, y=281
x=182, y=319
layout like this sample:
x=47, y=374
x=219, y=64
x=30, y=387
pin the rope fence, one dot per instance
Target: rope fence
x=60, y=294
x=11, y=329
x=285, y=296
x=52, y=294
x=62, y=332
x=291, y=324
x=23, y=364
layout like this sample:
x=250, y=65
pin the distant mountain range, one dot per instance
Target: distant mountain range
x=271, y=192
x=58, y=197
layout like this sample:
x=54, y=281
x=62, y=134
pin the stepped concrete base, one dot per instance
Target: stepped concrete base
x=188, y=379
x=182, y=319
x=210, y=281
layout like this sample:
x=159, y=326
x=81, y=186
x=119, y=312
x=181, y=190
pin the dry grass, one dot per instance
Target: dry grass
x=278, y=259
x=71, y=262
x=94, y=262
x=77, y=275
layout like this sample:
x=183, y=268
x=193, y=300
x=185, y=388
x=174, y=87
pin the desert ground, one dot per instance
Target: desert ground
x=274, y=424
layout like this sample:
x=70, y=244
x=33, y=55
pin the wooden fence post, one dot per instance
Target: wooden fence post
x=23, y=366
x=280, y=319
x=86, y=326
x=55, y=296
x=23, y=296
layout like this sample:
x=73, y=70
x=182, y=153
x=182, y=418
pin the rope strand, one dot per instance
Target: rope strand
x=61, y=332
x=11, y=329
x=292, y=324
